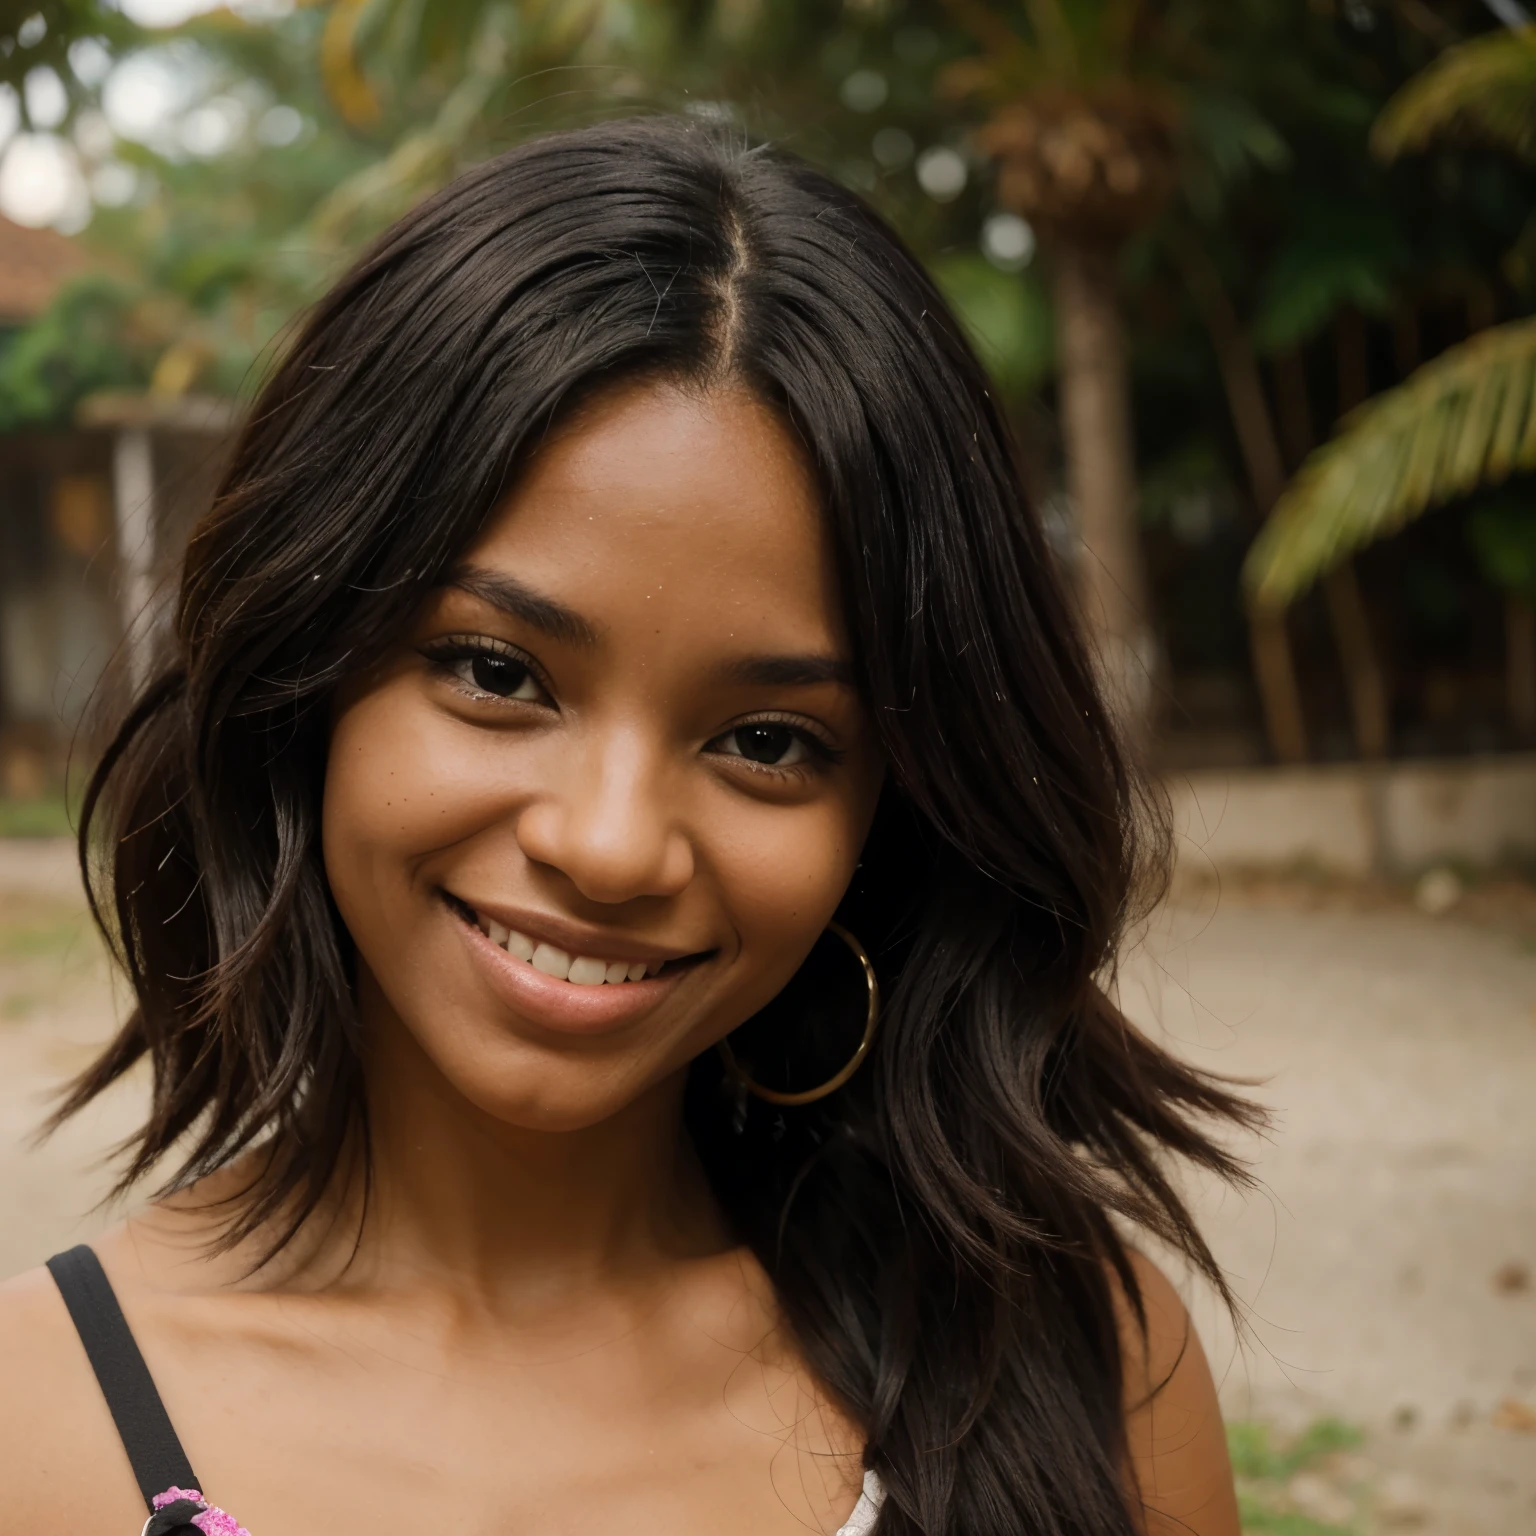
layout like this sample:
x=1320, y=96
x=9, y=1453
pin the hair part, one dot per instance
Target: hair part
x=942, y=1231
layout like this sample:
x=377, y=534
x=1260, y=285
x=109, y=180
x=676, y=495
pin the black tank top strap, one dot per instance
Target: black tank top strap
x=159, y=1463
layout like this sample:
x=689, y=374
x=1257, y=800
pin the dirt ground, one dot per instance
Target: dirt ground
x=1386, y=1262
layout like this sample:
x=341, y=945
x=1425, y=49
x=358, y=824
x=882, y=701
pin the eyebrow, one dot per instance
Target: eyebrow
x=565, y=624
x=788, y=671
x=520, y=602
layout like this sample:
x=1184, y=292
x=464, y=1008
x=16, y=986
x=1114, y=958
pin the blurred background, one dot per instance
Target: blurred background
x=1256, y=282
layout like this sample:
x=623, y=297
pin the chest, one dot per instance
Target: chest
x=336, y=1430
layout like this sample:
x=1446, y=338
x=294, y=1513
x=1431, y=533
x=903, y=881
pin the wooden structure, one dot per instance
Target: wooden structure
x=91, y=517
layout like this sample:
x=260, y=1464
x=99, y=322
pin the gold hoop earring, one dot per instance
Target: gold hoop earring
x=871, y=1021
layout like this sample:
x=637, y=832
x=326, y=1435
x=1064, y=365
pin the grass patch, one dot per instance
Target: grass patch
x=43, y=940
x=1260, y=1520
x=46, y=816
x=1264, y=1468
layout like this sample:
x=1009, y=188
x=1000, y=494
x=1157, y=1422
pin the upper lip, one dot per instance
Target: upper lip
x=573, y=937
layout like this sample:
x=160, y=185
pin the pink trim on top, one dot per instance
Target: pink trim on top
x=213, y=1521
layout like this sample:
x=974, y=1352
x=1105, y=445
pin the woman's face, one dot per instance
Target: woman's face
x=595, y=808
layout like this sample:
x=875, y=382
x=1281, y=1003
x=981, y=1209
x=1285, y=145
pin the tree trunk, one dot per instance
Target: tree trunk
x=1295, y=405
x=1520, y=667
x=1101, y=476
x=1275, y=672
x=1274, y=668
x=1363, y=677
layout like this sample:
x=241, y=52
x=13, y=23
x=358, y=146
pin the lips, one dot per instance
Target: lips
x=571, y=981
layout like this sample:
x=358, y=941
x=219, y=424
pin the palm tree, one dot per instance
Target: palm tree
x=1111, y=121
x=1085, y=151
x=1462, y=422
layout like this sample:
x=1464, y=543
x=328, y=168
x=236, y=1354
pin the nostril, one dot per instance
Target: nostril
x=608, y=858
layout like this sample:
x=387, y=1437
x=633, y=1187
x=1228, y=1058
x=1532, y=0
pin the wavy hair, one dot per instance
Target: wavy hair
x=943, y=1233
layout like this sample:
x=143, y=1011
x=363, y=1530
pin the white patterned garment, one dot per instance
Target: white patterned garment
x=862, y=1521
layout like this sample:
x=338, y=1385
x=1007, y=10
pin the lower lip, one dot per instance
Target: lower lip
x=562, y=1005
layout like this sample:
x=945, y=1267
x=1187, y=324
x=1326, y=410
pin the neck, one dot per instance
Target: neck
x=508, y=1217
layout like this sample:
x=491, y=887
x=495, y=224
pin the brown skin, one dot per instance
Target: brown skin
x=544, y=1322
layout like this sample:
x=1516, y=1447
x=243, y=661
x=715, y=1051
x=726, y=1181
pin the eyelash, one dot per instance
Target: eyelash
x=821, y=754
x=446, y=653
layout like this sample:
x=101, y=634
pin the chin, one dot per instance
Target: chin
x=552, y=1104
x=532, y=1086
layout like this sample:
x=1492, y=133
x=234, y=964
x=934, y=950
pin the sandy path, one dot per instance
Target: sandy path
x=1381, y=1260
x=1399, y=1053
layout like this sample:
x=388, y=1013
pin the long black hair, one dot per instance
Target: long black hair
x=942, y=1233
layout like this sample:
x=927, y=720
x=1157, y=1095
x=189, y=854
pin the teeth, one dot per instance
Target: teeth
x=552, y=961
x=582, y=970
x=586, y=972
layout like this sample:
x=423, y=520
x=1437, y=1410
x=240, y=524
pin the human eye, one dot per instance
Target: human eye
x=775, y=746
x=486, y=668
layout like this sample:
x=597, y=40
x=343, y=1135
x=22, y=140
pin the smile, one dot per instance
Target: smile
x=579, y=970
x=564, y=985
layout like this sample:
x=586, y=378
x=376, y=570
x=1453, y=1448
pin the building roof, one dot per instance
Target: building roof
x=33, y=264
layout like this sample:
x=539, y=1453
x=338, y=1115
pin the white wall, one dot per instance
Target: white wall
x=1355, y=819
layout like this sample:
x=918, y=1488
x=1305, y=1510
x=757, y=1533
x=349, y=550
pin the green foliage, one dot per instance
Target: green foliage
x=80, y=344
x=393, y=97
x=1502, y=529
x=1335, y=255
x=1228, y=141
x=1483, y=89
x=1258, y=1520
x=49, y=815
x=218, y=252
x=49, y=28
x=1466, y=419
x=1256, y=1456
x=1188, y=490
x=1263, y=1468
x=1007, y=316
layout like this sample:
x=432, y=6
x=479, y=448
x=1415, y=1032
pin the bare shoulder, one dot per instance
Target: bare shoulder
x=52, y=1418
x=1177, y=1442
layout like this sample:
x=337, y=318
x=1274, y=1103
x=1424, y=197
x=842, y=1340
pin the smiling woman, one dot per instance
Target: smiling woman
x=616, y=871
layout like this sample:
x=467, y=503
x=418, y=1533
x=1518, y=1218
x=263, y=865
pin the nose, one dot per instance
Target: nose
x=607, y=824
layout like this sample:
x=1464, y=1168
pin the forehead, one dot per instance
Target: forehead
x=654, y=502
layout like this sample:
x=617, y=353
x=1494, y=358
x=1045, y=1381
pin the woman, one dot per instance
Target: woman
x=616, y=874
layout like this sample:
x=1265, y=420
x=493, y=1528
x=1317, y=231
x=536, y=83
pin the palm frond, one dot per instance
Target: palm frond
x=1465, y=420
x=1484, y=89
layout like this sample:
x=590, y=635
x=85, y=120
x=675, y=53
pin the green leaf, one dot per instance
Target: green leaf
x=72, y=349
x=1483, y=89
x=1465, y=420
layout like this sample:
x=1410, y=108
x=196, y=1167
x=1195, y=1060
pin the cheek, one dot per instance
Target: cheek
x=782, y=875
x=394, y=791
x=403, y=779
